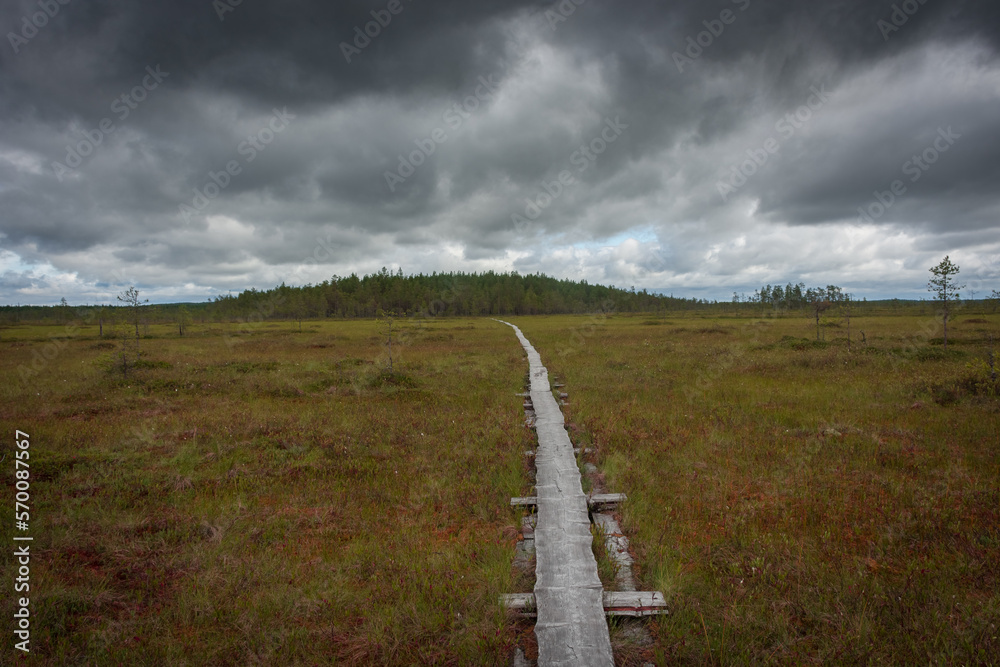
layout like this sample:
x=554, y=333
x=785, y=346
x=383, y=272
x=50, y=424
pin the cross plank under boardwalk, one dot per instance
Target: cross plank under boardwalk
x=571, y=627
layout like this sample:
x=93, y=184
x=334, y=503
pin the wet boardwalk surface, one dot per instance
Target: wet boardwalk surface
x=571, y=627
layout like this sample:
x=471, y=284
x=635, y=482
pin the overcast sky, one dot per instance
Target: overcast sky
x=194, y=147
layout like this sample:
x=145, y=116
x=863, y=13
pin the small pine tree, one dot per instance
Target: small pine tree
x=128, y=347
x=945, y=290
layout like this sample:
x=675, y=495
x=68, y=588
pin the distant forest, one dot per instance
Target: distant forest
x=439, y=294
x=385, y=292
x=461, y=294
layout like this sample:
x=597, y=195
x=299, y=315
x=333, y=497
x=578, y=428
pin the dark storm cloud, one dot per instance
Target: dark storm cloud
x=190, y=89
x=259, y=51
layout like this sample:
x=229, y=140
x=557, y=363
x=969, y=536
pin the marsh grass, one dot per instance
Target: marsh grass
x=265, y=496
x=799, y=502
x=270, y=497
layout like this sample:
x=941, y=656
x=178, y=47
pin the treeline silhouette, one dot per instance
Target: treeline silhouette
x=464, y=294
x=486, y=293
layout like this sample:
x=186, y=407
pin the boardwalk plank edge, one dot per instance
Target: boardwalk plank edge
x=596, y=500
x=576, y=451
x=616, y=603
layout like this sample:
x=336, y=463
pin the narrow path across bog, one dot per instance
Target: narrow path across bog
x=571, y=627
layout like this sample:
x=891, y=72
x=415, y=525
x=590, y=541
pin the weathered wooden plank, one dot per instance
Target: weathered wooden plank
x=596, y=500
x=519, y=602
x=634, y=603
x=615, y=603
x=576, y=452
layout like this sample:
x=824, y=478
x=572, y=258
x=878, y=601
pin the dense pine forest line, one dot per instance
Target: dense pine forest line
x=385, y=292
x=460, y=294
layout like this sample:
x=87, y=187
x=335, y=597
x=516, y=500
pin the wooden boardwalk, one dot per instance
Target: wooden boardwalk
x=571, y=627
